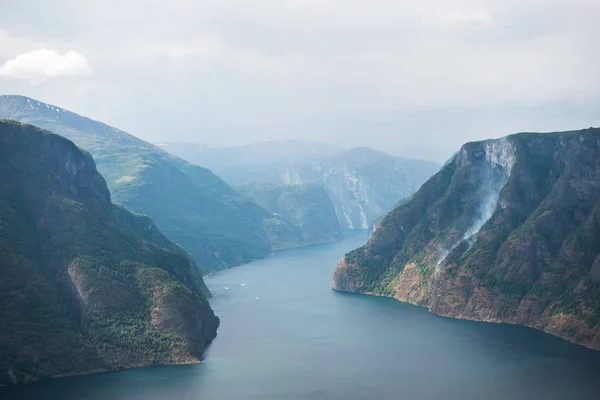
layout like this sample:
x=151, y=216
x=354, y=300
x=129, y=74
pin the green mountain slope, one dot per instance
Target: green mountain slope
x=307, y=207
x=190, y=204
x=85, y=285
x=507, y=231
x=362, y=183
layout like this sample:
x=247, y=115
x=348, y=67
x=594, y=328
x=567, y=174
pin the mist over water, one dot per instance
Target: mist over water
x=286, y=335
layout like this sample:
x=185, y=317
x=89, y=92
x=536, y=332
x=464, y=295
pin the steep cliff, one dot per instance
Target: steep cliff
x=362, y=183
x=307, y=207
x=190, y=204
x=85, y=285
x=507, y=231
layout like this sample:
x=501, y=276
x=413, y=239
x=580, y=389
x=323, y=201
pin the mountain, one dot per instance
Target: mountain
x=507, y=231
x=362, y=183
x=251, y=155
x=190, y=204
x=263, y=161
x=307, y=207
x=85, y=285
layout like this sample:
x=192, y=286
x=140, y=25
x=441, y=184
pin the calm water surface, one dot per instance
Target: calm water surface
x=286, y=335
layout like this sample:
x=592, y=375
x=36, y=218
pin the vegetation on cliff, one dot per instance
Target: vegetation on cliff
x=85, y=285
x=191, y=205
x=307, y=207
x=362, y=183
x=507, y=231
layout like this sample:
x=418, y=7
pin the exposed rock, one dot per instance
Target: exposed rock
x=507, y=231
x=85, y=285
x=362, y=183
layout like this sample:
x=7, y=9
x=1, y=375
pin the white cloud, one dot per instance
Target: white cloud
x=39, y=65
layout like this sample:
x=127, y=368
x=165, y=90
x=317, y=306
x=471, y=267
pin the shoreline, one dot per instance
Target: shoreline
x=461, y=318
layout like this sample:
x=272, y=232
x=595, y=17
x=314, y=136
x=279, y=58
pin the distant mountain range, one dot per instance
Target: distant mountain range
x=507, y=231
x=255, y=154
x=306, y=206
x=85, y=285
x=190, y=204
x=362, y=183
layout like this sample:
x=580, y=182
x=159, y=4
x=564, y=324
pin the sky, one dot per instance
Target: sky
x=411, y=78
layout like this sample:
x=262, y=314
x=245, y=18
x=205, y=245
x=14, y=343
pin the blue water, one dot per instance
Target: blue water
x=286, y=335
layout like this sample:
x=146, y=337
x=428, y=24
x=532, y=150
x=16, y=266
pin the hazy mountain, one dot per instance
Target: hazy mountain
x=255, y=154
x=191, y=205
x=362, y=183
x=306, y=206
x=85, y=285
x=507, y=231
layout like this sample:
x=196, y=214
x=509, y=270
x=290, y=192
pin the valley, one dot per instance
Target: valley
x=434, y=249
x=220, y=227
x=285, y=334
x=299, y=200
x=362, y=183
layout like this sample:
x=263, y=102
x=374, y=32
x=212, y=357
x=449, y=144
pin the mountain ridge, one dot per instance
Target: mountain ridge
x=85, y=285
x=505, y=232
x=190, y=204
x=362, y=183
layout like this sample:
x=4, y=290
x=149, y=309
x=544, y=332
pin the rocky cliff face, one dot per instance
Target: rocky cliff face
x=306, y=207
x=507, y=231
x=190, y=204
x=85, y=285
x=362, y=183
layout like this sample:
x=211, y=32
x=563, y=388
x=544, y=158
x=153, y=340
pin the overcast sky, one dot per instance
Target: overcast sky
x=415, y=78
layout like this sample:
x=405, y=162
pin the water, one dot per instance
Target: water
x=285, y=335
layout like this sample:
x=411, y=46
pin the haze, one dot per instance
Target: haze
x=410, y=78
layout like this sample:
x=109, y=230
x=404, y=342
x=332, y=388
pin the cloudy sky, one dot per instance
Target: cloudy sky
x=414, y=78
